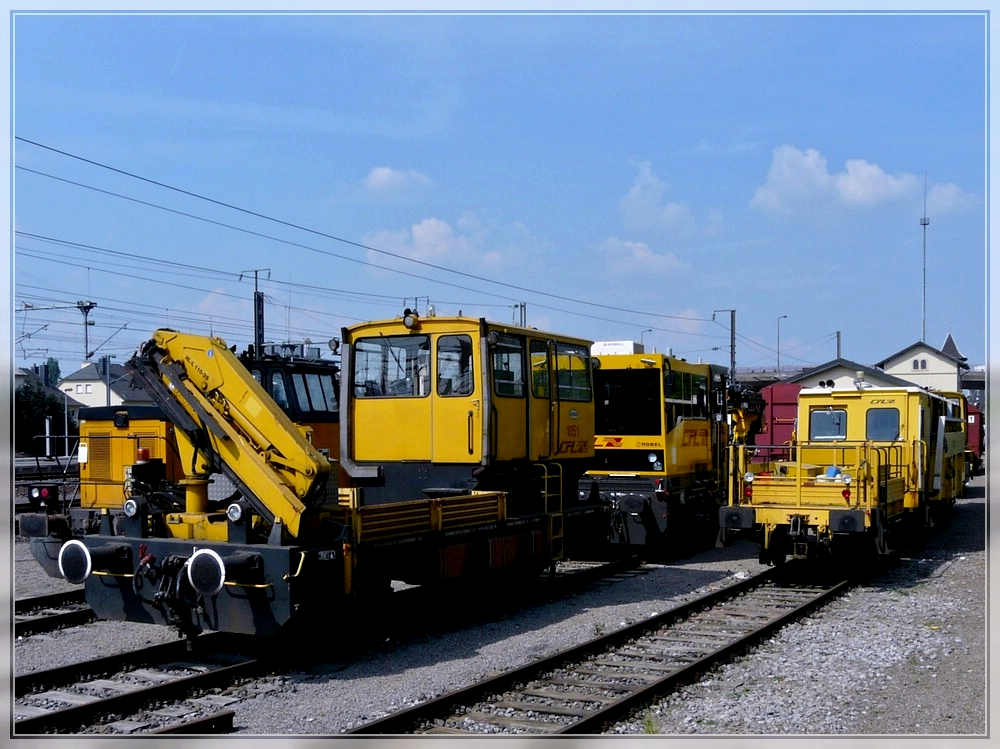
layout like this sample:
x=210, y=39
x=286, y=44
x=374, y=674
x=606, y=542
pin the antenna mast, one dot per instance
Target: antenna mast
x=924, y=221
x=258, y=312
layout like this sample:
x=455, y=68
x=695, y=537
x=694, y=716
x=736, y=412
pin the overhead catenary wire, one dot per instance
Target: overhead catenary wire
x=320, y=292
x=359, y=245
x=274, y=281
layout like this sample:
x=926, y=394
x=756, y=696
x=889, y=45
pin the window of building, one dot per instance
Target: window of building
x=916, y=364
x=923, y=364
x=79, y=388
x=89, y=388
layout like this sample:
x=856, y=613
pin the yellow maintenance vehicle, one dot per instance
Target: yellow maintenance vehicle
x=490, y=424
x=122, y=445
x=867, y=469
x=168, y=547
x=457, y=440
x=660, y=448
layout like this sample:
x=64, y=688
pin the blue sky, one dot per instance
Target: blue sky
x=624, y=176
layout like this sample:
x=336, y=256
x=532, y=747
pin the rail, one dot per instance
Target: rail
x=587, y=687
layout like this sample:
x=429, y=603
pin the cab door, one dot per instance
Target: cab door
x=507, y=432
x=456, y=401
x=541, y=401
x=571, y=421
x=391, y=398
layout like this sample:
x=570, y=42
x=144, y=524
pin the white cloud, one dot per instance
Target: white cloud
x=799, y=179
x=383, y=179
x=629, y=257
x=865, y=184
x=221, y=303
x=468, y=244
x=688, y=320
x=795, y=177
x=434, y=238
x=643, y=208
x=432, y=241
x=948, y=198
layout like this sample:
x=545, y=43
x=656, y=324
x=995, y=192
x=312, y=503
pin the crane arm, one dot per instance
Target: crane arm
x=232, y=422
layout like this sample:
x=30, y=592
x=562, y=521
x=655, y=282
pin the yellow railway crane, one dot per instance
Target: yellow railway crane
x=458, y=439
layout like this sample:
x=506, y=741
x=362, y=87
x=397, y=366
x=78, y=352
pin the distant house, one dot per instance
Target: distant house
x=926, y=366
x=90, y=386
x=845, y=373
x=24, y=376
x=781, y=398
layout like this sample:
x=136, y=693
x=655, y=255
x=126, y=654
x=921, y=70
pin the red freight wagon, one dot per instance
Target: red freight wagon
x=778, y=419
x=977, y=440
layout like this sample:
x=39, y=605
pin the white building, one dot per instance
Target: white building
x=92, y=387
x=843, y=373
x=926, y=366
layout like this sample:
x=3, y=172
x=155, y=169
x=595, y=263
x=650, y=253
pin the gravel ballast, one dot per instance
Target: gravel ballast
x=904, y=655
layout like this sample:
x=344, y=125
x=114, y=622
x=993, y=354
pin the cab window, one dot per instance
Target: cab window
x=573, y=372
x=882, y=425
x=539, y=369
x=315, y=391
x=507, y=361
x=278, y=390
x=828, y=424
x=392, y=367
x=699, y=396
x=454, y=365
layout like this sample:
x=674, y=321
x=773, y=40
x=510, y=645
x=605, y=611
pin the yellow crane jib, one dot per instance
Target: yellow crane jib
x=232, y=424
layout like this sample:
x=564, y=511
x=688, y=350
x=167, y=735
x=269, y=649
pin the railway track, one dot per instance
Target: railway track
x=585, y=688
x=40, y=614
x=169, y=689
x=161, y=689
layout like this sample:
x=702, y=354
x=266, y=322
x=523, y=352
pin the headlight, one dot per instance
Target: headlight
x=410, y=320
x=235, y=512
x=131, y=508
x=748, y=477
x=657, y=466
x=651, y=457
x=846, y=478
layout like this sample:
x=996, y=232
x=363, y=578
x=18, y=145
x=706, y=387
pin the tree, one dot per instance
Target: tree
x=31, y=405
x=52, y=367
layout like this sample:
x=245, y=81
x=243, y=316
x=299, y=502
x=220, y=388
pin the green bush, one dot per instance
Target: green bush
x=31, y=405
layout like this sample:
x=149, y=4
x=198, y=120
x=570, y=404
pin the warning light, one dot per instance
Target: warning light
x=43, y=494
